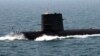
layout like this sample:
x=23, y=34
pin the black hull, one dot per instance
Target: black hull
x=52, y=24
x=34, y=35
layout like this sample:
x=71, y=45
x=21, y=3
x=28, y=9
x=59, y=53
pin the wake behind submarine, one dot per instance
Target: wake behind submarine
x=52, y=24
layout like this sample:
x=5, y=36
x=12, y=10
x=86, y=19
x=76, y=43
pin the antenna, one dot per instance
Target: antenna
x=47, y=11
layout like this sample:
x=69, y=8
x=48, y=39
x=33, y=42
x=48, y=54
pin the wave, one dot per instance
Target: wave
x=13, y=36
x=49, y=38
x=19, y=36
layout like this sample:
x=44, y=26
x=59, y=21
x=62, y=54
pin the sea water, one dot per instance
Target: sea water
x=25, y=15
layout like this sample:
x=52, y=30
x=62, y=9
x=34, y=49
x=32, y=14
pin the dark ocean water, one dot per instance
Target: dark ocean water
x=25, y=15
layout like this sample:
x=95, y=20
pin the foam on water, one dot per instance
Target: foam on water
x=48, y=38
x=13, y=36
x=20, y=36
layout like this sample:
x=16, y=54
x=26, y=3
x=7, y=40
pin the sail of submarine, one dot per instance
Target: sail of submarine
x=52, y=24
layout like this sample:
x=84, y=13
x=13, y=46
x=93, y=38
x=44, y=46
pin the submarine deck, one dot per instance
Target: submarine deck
x=34, y=35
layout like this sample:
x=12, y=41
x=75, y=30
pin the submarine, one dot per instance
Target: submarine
x=52, y=24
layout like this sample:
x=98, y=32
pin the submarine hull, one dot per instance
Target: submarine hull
x=34, y=35
x=52, y=24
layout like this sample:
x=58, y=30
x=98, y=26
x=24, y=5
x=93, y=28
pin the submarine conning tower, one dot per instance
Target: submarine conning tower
x=52, y=22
